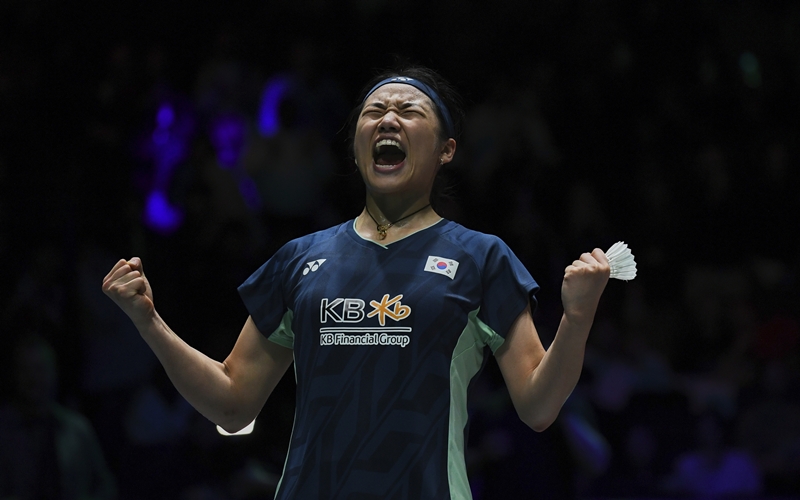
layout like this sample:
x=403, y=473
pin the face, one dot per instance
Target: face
x=397, y=145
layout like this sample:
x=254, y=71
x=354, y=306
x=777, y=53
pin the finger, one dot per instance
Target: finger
x=120, y=272
x=139, y=285
x=116, y=286
x=130, y=289
x=127, y=278
x=600, y=256
x=588, y=258
x=136, y=263
x=119, y=264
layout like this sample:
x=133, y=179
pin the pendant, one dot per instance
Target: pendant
x=382, y=230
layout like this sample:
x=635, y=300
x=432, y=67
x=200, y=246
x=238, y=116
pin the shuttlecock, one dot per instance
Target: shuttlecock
x=620, y=258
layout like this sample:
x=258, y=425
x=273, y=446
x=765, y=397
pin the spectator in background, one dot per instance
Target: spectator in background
x=769, y=430
x=713, y=469
x=291, y=169
x=291, y=159
x=40, y=289
x=157, y=422
x=46, y=450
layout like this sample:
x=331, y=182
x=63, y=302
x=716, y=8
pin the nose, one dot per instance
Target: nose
x=389, y=122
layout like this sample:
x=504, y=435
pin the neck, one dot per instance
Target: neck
x=393, y=208
x=402, y=217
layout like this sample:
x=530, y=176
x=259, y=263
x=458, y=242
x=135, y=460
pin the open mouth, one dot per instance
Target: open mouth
x=388, y=153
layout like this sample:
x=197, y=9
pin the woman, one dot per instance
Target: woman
x=387, y=317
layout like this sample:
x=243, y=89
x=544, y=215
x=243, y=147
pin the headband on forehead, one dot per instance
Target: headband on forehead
x=425, y=89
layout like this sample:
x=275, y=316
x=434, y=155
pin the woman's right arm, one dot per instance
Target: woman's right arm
x=230, y=393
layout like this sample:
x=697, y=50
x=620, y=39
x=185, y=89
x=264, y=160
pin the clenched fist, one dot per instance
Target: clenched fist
x=584, y=282
x=128, y=287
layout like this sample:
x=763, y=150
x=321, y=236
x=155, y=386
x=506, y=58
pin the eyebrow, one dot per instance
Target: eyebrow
x=404, y=105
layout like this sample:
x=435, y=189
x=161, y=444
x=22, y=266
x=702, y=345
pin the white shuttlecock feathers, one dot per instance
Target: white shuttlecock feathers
x=620, y=258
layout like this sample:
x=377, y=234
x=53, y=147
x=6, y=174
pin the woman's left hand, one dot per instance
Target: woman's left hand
x=584, y=282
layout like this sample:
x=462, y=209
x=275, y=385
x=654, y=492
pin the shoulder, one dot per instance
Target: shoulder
x=480, y=246
x=287, y=262
x=302, y=244
x=295, y=250
x=470, y=238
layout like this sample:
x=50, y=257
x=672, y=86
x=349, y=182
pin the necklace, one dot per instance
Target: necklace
x=382, y=228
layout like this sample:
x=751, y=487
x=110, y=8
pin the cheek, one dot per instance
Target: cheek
x=360, y=142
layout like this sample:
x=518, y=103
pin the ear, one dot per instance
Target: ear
x=448, y=151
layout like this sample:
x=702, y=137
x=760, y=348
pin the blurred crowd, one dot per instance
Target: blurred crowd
x=202, y=141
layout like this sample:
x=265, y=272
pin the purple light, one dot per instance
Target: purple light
x=167, y=146
x=165, y=116
x=159, y=215
x=228, y=136
x=268, y=119
x=249, y=193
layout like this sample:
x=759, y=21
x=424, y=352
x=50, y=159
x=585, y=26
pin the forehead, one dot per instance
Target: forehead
x=398, y=93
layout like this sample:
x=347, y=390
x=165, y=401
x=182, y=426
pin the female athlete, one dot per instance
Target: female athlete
x=387, y=318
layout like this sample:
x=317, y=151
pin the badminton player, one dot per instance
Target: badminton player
x=387, y=318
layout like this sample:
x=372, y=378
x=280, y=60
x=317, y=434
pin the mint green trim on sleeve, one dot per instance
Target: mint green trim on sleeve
x=466, y=362
x=488, y=336
x=283, y=335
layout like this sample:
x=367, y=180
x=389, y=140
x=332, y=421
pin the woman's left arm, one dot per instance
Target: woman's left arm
x=540, y=381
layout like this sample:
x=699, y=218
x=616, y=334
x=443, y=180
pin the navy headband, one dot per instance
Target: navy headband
x=425, y=89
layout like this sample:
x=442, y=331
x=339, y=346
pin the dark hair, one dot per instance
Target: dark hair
x=447, y=93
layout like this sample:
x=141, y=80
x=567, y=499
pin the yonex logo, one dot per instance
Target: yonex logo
x=313, y=266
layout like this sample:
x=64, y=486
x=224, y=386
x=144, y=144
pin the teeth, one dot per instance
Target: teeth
x=388, y=142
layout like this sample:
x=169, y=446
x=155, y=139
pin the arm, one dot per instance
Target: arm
x=230, y=393
x=540, y=381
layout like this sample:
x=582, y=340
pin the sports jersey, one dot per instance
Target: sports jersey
x=386, y=340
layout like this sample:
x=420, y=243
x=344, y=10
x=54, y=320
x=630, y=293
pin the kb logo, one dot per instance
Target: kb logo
x=326, y=339
x=341, y=310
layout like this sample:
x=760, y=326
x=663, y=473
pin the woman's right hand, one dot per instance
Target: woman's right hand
x=128, y=287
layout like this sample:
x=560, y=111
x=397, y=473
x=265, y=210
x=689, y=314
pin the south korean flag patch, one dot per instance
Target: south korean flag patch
x=441, y=265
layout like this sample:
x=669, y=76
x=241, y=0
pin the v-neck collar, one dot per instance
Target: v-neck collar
x=351, y=229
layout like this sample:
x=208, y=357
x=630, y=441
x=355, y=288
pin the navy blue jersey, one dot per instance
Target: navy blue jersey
x=386, y=339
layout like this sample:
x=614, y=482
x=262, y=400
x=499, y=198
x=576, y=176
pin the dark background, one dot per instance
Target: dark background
x=669, y=125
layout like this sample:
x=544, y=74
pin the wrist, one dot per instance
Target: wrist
x=577, y=322
x=149, y=324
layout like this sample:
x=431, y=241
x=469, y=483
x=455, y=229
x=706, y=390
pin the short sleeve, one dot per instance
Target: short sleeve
x=507, y=288
x=263, y=293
